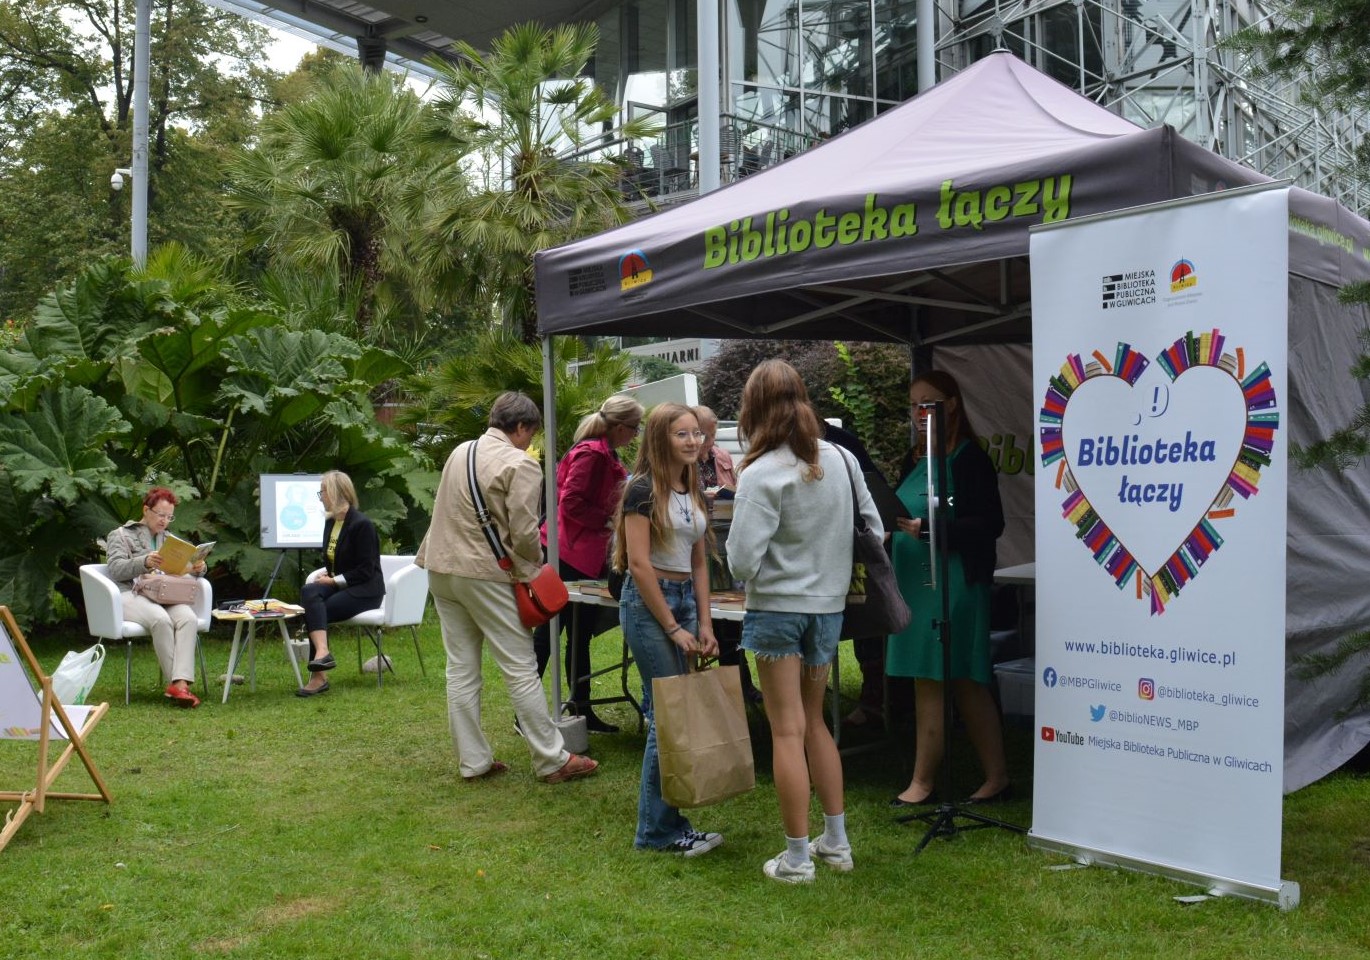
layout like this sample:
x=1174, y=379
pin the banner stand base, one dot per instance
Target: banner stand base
x=1285, y=896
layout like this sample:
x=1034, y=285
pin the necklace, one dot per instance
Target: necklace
x=682, y=502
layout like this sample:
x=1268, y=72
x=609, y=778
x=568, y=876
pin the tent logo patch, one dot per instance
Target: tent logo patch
x=633, y=270
x=1145, y=492
x=1130, y=288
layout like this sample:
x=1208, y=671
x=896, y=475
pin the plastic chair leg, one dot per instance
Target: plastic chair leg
x=414, y=632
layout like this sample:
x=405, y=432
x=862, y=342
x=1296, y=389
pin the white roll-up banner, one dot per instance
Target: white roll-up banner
x=1159, y=367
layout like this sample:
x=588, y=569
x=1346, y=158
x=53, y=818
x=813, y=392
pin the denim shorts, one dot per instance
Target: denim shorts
x=774, y=636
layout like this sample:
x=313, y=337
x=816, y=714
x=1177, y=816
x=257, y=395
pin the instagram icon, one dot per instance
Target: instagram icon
x=1146, y=688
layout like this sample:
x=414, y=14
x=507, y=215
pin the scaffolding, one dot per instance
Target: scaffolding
x=1169, y=62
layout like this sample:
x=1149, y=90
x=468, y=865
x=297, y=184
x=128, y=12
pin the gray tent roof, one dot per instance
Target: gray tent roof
x=970, y=165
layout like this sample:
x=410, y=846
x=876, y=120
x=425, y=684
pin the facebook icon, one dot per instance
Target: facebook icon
x=1049, y=677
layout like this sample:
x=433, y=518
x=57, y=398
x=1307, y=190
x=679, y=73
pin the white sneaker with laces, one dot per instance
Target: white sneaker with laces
x=839, y=858
x=780, y=868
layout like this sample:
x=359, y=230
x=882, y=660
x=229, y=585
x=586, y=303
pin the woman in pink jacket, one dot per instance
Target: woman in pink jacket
x=590, y=481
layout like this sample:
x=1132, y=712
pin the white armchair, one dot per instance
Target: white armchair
x=105, y=617
x=406, y=595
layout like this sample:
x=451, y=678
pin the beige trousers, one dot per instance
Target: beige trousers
x=474, y=613
x=173, y=632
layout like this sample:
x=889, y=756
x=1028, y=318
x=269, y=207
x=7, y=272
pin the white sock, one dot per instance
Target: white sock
x=835, y=829
x=797, y=850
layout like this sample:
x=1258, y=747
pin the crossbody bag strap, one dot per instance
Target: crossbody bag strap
x=487, y=526
x=858, y=521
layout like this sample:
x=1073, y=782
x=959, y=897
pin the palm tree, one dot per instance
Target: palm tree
x=526, y=110
x=452, y=398
x=337, y=188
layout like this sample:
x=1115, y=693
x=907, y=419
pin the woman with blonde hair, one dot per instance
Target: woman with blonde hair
x=589, y=486
x=352, y=580
x=662, y=548
x=791, y=541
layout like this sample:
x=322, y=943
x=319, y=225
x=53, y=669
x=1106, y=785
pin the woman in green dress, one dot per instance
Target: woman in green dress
x=974, y=521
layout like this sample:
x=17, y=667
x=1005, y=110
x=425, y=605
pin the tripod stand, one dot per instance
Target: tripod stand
x=949, y=817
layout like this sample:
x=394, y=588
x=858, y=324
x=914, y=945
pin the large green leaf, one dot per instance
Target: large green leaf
x=58, y=446
x=92, y=316
x=287, y=375
x=189, y=356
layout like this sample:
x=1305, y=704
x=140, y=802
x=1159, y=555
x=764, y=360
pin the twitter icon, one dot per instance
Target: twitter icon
x=1097, y=713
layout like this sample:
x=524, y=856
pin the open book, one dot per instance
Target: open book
x=178, y=555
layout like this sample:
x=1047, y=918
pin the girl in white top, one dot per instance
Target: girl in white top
x=662, y=539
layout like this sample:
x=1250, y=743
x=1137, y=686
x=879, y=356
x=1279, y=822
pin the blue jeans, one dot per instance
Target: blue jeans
x=658, y=823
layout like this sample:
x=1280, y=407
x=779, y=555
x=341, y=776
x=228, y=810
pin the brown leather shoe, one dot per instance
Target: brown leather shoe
x=575, y=768
x=494, y=770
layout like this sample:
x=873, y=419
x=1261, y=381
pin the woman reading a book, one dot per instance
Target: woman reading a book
x=352, y=580
x=135, y=549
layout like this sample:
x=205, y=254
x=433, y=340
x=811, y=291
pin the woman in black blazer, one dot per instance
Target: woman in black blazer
x=352, y=581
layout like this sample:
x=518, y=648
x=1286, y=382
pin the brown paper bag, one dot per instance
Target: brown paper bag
x=702, y=738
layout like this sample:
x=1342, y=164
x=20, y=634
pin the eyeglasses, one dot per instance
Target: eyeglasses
x=684, y=435
x=319, y=494
x=636, y=428
x=168, y=517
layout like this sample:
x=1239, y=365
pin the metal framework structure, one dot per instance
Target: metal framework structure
x=1168, y=61
x=1152, y=61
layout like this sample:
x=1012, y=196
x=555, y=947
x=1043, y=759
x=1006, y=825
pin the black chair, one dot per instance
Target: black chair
x=672, y=164
x=729, y=152
x=637, y=181
x=758, y=159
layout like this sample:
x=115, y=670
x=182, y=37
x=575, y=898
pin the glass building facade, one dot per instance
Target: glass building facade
x=795, y=72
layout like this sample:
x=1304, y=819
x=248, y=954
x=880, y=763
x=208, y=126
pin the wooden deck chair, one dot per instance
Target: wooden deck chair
x=34, y=714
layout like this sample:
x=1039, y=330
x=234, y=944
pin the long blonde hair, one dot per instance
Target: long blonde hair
x=654, y=458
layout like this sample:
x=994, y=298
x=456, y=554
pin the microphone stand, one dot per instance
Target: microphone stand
x=944, y=819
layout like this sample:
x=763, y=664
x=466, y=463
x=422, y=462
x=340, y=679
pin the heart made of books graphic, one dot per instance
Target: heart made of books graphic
x=1153, y=458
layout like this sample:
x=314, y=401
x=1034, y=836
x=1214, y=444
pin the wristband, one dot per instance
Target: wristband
x=673, y=630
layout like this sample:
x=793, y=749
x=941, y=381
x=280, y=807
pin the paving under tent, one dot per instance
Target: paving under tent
x=913, y=228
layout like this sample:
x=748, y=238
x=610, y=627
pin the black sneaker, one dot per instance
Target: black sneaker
x=692, y=843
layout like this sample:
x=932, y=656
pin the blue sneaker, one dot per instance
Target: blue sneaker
x=692, y=843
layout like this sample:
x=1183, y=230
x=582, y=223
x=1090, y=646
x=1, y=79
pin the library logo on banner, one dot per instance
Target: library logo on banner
x=1130, y=288
x=1183, y=276
x=1184, y=281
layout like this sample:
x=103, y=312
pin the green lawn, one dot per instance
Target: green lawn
x=339, y=827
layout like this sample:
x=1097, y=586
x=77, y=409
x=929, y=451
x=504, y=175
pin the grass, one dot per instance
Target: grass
x=338, y=827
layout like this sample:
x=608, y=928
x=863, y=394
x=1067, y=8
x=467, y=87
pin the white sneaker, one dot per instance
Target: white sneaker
x=780, y=868
x=839, y=858
x=693, y=843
